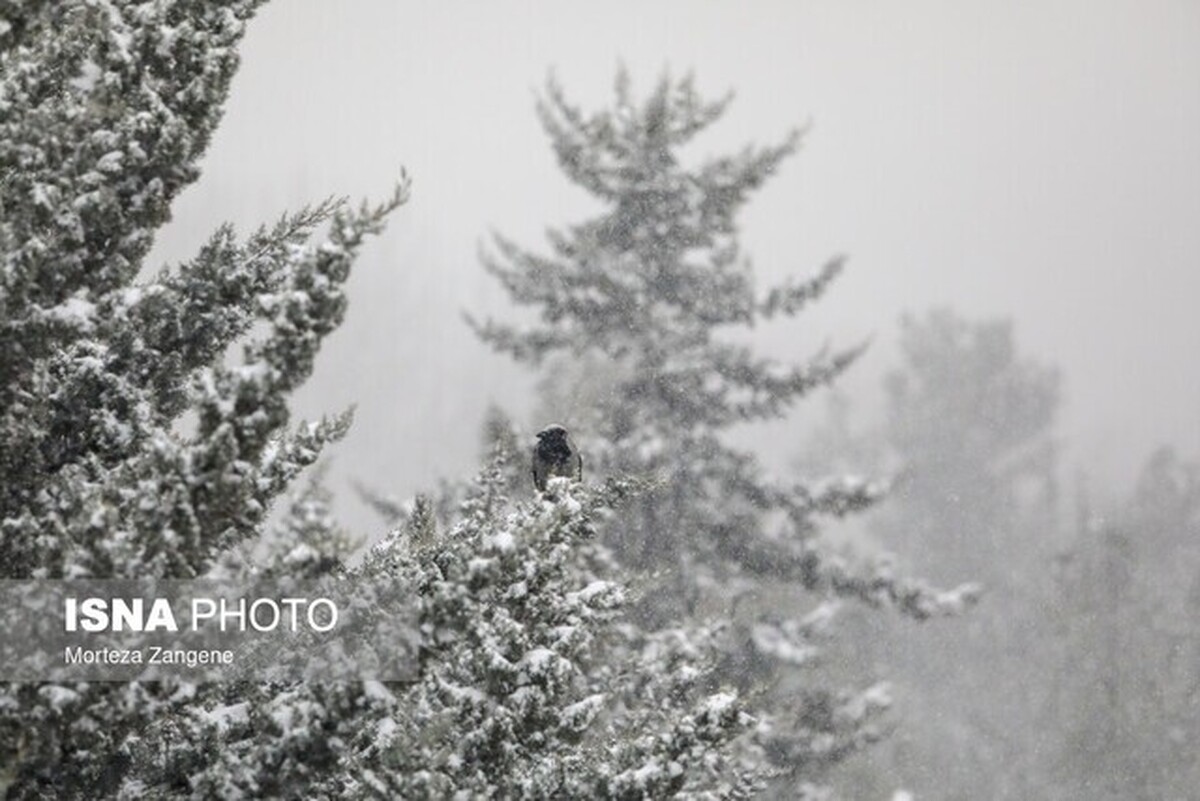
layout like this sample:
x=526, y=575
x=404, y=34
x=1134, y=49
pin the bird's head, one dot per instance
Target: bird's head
x=552, y=434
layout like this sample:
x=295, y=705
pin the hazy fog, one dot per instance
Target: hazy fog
x=1036, y=160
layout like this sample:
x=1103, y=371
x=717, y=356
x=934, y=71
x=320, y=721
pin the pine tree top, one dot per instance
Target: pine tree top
x=652, y=281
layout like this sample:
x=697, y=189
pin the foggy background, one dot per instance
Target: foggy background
x=1036, y=161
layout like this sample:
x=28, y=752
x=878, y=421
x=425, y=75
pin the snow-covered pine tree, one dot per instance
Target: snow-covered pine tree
x=648, y=289
x=649, y=286
x=526, y=684
x=528, y=687
x=525, y=687
x=105, y=111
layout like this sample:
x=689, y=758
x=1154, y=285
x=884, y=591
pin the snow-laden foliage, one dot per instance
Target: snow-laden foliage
x=129, y=446
x=133, y=444
x=635, y=313
x=106, y=108
x=526, y=684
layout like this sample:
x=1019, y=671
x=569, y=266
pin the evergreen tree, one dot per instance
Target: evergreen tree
x=968, y=428
x=651, y=289
x=525, y=686
x=105, y=111
x=536, y=689
x=1126, y=666
x=129, y=447
x=971, y=422
x=649, y=286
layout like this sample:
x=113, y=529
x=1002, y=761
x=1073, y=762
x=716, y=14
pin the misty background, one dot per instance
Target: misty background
x=1032, y=161
x=1035, y=163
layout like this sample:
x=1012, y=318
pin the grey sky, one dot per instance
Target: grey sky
x=1034, y=160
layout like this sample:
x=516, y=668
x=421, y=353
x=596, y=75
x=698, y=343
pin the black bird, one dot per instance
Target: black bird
x=555, y=455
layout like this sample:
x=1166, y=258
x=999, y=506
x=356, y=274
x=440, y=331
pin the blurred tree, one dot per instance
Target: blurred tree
x=646, y=297
x=968, y=435
x=971, y=423
x=1126, y=704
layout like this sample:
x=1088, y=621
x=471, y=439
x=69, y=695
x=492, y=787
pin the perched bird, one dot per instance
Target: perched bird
x=555, y=455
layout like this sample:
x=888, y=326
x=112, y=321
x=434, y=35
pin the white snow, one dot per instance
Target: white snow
x=588, y=593
x=58, y=696
x=769, y=639
x=503, y=540
x=719, y=704
x=223, y=717
x=110, y=162
x=76, y=311
x=377, y=691
x=302, y=553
